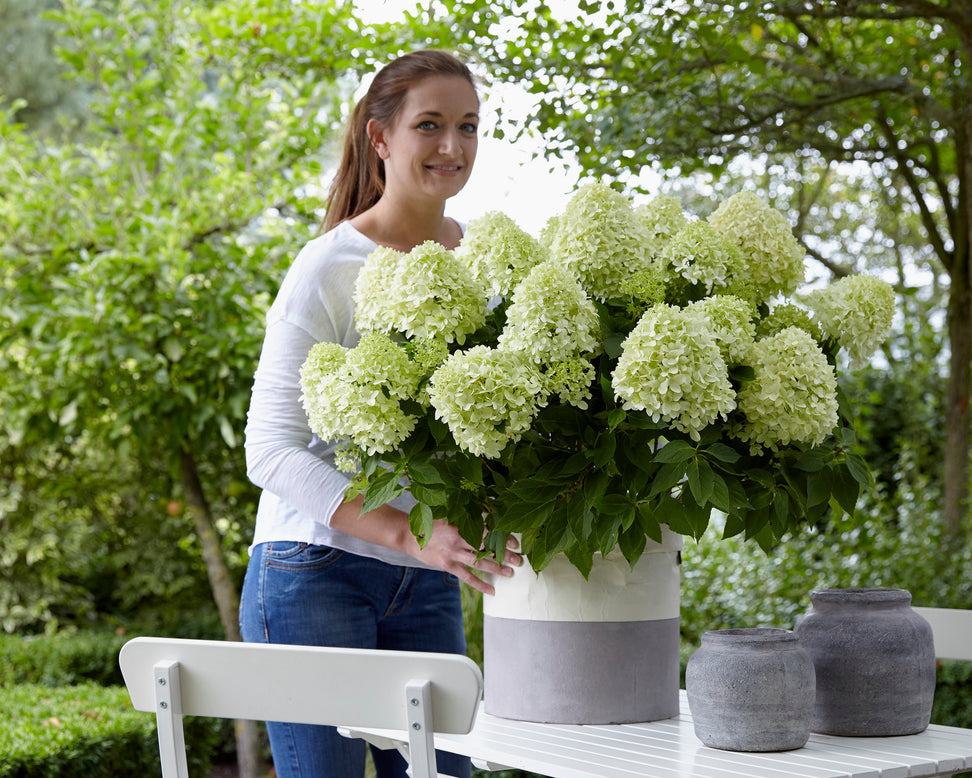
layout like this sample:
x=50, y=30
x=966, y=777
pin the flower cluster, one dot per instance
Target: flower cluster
x=428, y=292
x=671, y=367
x=559, y=370
x=856, y=312
x=487, y=397
x=600, y=238
x=792, y=397
x=499, y=253
x=773, y=259
x=357, y=393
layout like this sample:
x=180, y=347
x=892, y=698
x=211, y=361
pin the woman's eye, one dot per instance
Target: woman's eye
x=469, y=127
x=426, y=125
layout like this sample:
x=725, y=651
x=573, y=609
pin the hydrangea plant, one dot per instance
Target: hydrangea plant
x=628, y=369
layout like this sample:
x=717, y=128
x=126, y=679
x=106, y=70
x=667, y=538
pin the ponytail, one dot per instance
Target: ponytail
x=360, y=178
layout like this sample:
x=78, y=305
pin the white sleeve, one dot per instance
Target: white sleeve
x=277, y=435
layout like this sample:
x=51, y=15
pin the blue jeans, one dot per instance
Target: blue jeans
x=320, y=596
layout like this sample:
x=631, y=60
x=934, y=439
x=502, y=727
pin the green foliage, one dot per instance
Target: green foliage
x=139, y=255
x=87, y=729
x=63, y=659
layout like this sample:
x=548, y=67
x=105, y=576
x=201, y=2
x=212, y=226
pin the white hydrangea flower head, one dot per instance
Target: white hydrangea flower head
x=487, y=397
x=700, y=255
x=732, y=321
x=856, y=311
x=550, y=317
x=661, y=219
x=788, y=315
x=792, y=397
x=427, y=292
x=499, y=252
x=672, y=368
x=378, y=361
x=570, y=379
x=774, y=259
x=355, y=393
x=599, y=237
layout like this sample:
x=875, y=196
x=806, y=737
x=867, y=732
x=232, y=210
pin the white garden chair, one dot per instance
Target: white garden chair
x=417, y=692
x=952, y=630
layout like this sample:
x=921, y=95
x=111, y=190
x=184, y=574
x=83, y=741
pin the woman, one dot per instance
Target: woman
x=319, y=572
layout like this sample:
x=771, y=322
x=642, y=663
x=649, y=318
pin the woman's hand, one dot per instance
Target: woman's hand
x=446, y=550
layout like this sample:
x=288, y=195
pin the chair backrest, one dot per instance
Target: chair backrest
x=952, y=629
x=417, y=692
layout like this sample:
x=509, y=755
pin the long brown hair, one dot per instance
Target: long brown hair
x=360, y=178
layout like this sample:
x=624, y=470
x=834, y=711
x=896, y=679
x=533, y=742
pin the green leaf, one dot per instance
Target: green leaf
x=428, y=496
x=819, y=487
x=858, y=468
x=420, y=522
x=382, y=489
x=723, y=453
x=675, y=452
x=632, y=543
x=700, y=479
x=846, y=490
x=423, y=472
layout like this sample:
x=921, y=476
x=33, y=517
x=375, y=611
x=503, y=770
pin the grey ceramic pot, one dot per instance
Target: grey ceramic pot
x=874, y=658
x=751, y=690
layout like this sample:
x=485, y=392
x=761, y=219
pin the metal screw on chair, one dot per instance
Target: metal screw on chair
x=161, y=681
x=414, y=701
x=416, y=726
x=163, y=705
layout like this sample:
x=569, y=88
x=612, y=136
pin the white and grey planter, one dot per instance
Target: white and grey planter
x=562, y=649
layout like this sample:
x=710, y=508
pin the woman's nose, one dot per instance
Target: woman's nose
x=449, y=143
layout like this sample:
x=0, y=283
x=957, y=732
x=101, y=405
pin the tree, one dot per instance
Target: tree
x=139, y=257
x=695, y=85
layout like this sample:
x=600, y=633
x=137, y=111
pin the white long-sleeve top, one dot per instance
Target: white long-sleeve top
x=294, y=468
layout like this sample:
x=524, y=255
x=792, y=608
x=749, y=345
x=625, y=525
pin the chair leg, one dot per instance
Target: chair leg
x=421, y=748
x=168, y=718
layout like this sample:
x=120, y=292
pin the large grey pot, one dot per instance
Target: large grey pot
x=874, y=658
x=751, y=690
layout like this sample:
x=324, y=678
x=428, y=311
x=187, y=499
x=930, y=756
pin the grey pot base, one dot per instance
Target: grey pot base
x=581, y=672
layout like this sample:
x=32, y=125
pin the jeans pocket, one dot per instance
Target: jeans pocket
x=290, y=555
x=450, y=580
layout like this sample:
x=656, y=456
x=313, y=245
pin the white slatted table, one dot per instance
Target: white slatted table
x=669, y=749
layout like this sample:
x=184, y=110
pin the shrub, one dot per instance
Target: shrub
x=62, y=659
x=87, y=729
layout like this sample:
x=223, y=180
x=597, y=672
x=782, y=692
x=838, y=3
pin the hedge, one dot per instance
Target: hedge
x=62, y=659
x=87, y=729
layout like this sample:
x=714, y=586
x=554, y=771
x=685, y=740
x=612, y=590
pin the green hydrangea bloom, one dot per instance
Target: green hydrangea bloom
x=732, y=322
x=379, y=361
x=498, y=252
x=672, y=368
x=487, y=397
x=550, y=317
x=788, y=315
x=570, y=379
x=792, y=397
x=599, y=237
x=700, y=255
x=773, y=258
x=661, y=219
x=345, y=395
x=856, y=312
x=427, y=292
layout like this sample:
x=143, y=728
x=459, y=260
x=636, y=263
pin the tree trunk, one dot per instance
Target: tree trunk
x=224, y=594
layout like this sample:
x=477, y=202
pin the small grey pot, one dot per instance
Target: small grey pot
x=751, y=690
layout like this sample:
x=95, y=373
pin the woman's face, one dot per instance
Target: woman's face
x=430, y=149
